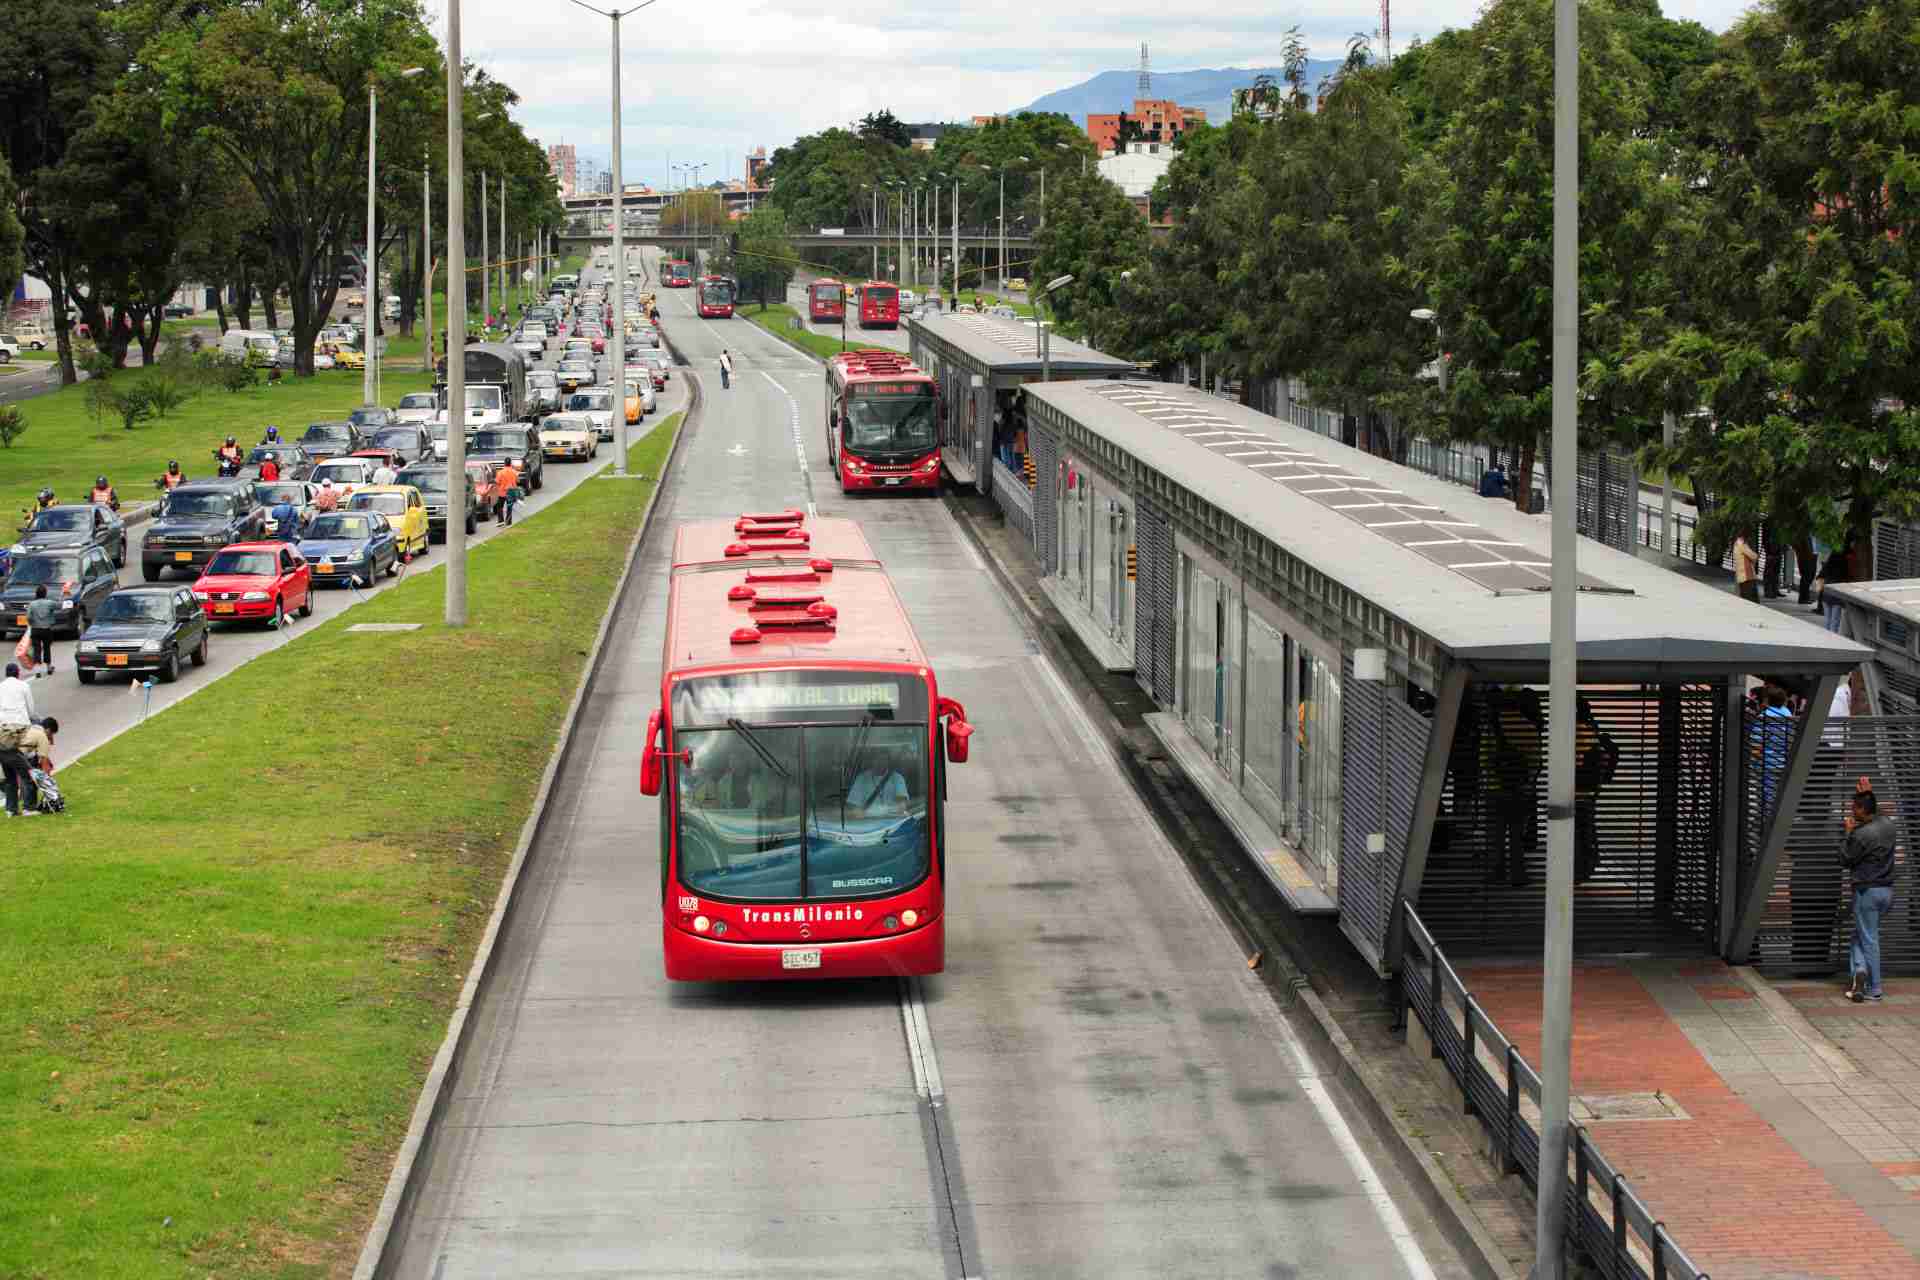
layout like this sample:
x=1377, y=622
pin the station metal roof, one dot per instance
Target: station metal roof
x=1478, y=586
x=1897, y=597
x=1011, y=346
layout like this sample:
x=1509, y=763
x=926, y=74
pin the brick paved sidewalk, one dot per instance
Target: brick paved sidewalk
x=1775, y=1129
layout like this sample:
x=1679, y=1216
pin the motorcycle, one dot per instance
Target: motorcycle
x=229, y=466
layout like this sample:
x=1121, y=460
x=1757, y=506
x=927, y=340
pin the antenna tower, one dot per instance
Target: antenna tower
x=1146, y=76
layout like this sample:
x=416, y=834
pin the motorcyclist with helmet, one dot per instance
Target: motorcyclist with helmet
x=272, y=436
x=229, y=457
x=103, y=494
x=44, y=500
x=171, y=477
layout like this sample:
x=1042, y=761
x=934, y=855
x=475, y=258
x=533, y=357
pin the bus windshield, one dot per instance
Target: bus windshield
x=716, y=293
x=828, y=293
x=880, y=297
x=802, y=785
x=890, y=423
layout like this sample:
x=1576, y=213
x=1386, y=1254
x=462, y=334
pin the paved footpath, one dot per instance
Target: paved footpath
x=1787, y=1137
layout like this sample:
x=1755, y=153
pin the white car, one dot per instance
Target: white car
x=9, y=351
x=347, y=474
x=570, y=437
x=594, y=406
x=417, y=406
x=28, y=335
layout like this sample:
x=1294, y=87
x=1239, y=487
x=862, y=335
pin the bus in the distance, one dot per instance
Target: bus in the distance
x=826, y=302
x=676, y=274
x=800, y=753
x=715, y=297
x=883, y=422
x=879, y=304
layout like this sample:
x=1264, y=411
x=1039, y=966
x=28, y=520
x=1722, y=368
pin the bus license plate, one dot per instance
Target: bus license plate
x=895, y=479
x=806, y=958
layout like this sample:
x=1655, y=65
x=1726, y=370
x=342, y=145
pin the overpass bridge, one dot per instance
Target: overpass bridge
x=572, y=241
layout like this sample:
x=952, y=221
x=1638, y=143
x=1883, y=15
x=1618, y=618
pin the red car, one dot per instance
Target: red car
x=255, y=582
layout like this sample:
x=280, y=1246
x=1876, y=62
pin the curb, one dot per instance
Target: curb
x=1324, y=1038
x=377, y=1255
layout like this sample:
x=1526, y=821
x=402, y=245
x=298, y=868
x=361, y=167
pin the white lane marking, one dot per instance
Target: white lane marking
x=926, y=1065
x=1308, y=1076
x=793, y=424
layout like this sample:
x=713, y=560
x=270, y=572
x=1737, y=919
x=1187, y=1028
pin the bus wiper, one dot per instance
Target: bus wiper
x=853, y=759
x=739, y=726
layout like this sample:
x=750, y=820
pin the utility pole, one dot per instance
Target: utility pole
x=956, y=240
x=503, y=250
x=618, y=329
x=426, y=248
x=873, y=227
x=456, y=602
x=486, y=263
x=1556, y=1024
x=367, y=295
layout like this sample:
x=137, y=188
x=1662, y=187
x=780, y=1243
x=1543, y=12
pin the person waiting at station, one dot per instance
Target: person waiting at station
x=1596, y=759
x=103, y=495
x=1510, y=775
x=1868, y=855
x=1493, y=484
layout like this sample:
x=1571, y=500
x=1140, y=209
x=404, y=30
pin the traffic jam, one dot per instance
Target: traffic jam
x=341, y=505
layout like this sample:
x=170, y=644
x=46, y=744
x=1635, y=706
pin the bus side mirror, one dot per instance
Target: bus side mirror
x=958, y=730
x=650, y=758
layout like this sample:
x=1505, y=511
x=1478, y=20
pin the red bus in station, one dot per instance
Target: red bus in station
x=883, y=422
x=826, y=302
x=715, y=297
x=879, y=304
x=800, y=754
x=676, y=274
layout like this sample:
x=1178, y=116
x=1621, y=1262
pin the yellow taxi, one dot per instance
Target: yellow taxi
x=348, y=358
x=404, y=509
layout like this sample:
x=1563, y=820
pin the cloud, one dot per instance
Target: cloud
x=706, y=81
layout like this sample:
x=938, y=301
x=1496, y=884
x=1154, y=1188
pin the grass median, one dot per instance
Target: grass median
x=777, y=320
x=225, y=972
x=64, y=446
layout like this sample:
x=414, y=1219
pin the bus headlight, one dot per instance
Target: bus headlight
x=909, y=918
x=701, y=924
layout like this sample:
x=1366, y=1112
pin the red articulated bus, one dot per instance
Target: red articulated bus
x=800, y=755
x=883, y=422
x=715, y=298
x=826, y=302
x=879, y=304
x=675, y=274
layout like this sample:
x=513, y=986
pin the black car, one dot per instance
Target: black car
x=431, y=480
x=293, y=461
x=369, y=416
x=408, y=439
x=197, y=519
x=325, y=440
x=76, y=582
x=517, y=444
x=176, y=310
x=74, y=525
x=143, y=629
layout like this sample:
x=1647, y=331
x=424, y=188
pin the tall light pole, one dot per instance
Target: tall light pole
x=1040, y=324
x=426, y=246
x=956, y=241
x=1556, y=1023
x=933, y=239
x=618, y=328
x=486, y=263
x=456, y=602
x=370, y=367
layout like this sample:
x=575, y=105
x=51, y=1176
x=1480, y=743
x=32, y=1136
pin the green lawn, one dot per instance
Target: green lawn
x=225, y=971
x=66, y=448
x=778, y=315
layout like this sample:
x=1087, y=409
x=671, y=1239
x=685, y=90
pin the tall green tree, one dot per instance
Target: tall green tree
x=279, y=88
x=13, y=236
x=1486, y=251
x=764, y=262
x=1096, y=235
x=1803, y=348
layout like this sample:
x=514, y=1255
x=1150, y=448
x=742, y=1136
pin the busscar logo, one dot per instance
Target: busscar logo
x=689, y=904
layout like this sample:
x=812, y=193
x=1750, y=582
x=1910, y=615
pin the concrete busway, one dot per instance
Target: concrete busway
x=1328, y=636
x=91, y=715
x=1097, y=1086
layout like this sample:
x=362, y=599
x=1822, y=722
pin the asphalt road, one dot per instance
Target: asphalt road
x=90, y=715
x=1105, y=1089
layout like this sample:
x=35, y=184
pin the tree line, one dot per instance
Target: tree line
x=1749, y=214
x=145, y=144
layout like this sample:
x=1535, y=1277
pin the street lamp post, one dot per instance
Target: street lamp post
x=1003, y=222
x=1440, y=360
x=956, y=241
x=370, y=367
x=456, y=597
x=503, y=250
x=1046, y=338
x=486, y=263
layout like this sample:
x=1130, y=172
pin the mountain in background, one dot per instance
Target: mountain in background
x=1112, y=91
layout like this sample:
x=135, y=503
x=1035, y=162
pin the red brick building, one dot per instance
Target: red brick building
x=1159, y=121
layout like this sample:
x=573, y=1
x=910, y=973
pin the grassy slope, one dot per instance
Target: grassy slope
x=775, y=321
x=64, y=447
x=224, y=1019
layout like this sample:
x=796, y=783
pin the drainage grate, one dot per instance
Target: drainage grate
x=1589, y=1107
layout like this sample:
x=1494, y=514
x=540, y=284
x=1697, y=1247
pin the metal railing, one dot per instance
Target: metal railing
x=1687, y=544
x=1606, y=1219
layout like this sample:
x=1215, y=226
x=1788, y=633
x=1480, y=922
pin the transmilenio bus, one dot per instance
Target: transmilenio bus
x=879, y=304
x=715, y=297
x=800, y=754
x=826, y=302
x=675, y=274
x=883, y=422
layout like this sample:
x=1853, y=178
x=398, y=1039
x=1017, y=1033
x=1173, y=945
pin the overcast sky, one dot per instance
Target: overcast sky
x=708, y=80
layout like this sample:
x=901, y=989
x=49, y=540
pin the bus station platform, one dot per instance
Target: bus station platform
x=1349, y=659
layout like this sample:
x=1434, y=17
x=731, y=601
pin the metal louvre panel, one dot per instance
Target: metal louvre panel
x=1016, y=502
x=1806, y=924
x=1607, y=506
x=1153, y=601
x=1896, y=550
x=1408, y=735
x=1046, y=512
x=1363, y=766
x=1656, y=826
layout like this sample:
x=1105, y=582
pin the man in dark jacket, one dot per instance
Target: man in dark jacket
x=1867, y=854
